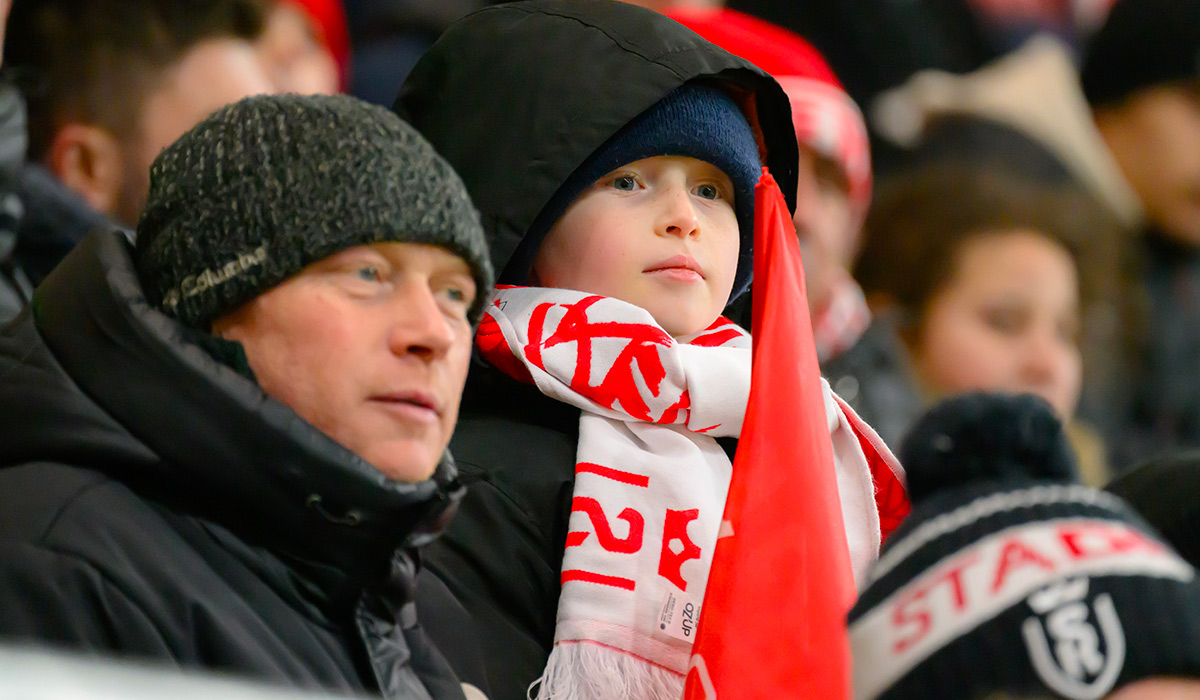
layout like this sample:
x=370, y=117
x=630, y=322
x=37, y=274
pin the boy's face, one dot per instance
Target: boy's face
x=660, y=233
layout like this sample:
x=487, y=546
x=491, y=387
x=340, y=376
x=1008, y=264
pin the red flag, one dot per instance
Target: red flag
x=773, y=622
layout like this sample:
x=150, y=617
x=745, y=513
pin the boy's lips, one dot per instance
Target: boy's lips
x=680, y=265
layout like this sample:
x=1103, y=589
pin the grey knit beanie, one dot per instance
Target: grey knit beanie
x=267, y=185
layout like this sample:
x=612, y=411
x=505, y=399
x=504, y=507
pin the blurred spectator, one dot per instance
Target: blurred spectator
x=1010, y=580
x=980, y=279
x=15, y=287
x=834, y=187
x=388, y=36
x=109, y=83
x=305, y=47
x=1128, y=128
x=874, y=45
x=223, y=446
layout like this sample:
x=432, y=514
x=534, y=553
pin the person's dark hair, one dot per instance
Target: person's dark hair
x=921, y=219
x=94, y=61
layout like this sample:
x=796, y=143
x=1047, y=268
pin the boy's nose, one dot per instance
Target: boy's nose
x=678, y=216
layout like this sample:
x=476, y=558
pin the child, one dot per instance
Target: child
x=613, y=156
x=1010, y=269
x=834, y=175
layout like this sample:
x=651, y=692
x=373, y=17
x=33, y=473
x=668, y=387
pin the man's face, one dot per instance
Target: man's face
x=371, y=346
x=1155, y=137
x=659, y=233
x=213, y=74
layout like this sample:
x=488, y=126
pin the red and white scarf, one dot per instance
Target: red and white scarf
x=650, y=479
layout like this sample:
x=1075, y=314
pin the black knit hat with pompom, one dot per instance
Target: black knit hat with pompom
x=272, y=183
x=1011, y=578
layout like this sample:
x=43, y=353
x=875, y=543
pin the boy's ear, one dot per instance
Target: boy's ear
x=89, y=161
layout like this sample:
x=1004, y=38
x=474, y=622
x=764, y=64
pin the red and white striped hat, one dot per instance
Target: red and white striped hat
x=825, y=118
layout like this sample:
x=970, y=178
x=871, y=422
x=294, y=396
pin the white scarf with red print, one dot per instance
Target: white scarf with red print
x=650, y=479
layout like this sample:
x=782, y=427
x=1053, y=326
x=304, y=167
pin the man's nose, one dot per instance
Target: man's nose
x=419, y=326
x=678, y=215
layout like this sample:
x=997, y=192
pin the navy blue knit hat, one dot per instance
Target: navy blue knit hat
x=695, y=120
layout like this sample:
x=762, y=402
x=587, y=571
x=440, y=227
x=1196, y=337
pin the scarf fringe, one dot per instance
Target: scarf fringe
x=584, y=671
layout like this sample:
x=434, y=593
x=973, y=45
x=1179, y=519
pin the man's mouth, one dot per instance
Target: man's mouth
x=417, y=405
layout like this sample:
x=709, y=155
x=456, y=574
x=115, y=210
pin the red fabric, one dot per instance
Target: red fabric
x=825, y=118
x=329, y=17
x=770, y=47
x=773, y=620
x=891, y=495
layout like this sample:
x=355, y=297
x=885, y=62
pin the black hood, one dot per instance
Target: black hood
x=94, y=377
x=517, y=97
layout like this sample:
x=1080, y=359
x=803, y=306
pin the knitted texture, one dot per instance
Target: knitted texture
x=1142, y=43
x=695, y=120
x=1012, y=579
x=270, y=184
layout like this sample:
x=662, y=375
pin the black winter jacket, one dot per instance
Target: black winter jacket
x=156, y=504
x=516, y=97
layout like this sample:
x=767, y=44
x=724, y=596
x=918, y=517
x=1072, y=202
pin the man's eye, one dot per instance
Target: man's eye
x=625, y=183
x=368, y=273
x=708, y=192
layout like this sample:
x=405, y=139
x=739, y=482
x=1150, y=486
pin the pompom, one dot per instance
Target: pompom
x=985, y=436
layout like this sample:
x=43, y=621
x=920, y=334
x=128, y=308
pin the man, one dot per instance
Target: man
x=110, y=83
x=222, y=448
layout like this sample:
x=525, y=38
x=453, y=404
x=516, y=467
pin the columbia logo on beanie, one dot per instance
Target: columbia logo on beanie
x=272, y=183
x=198, y=284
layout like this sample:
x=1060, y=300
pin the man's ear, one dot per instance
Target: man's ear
x=89, y=161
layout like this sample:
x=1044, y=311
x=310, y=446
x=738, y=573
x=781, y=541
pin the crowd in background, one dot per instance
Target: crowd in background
x=992, y=196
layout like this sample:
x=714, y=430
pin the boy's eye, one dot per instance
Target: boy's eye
x=625, y=183
x=708, y=192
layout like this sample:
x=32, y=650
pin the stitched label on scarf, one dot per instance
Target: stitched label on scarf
x=678, y=616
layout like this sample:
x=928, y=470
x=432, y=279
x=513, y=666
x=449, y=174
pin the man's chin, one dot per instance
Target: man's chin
x=408, y=461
